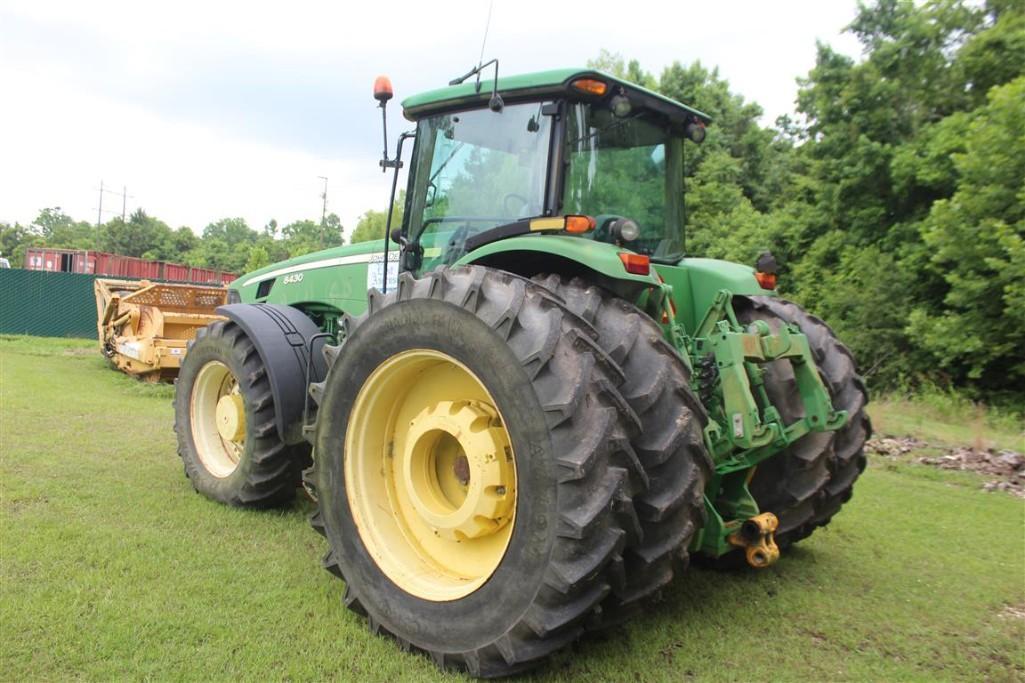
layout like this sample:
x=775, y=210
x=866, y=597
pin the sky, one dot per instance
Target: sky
x=209, y=110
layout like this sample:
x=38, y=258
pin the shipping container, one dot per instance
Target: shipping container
x=103, y=263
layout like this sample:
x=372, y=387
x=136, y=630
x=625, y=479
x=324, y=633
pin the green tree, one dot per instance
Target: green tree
x=303, y=237
x=141, y=235
x=893, y=198
x=613, y=63
x=15, y=240
x=225, y=245
x=231, y=231
x=976, y=240
x=258, y=258
x=179, y=243
x=59, y=230
x=371, y=224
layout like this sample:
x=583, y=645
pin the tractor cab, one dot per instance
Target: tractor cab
x=578, y=153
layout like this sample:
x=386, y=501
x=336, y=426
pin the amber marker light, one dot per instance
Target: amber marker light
x=382, y=89
x=766, y=280
x=579, y=224
x=591, y=86
x=765, y=270
x=638, y=264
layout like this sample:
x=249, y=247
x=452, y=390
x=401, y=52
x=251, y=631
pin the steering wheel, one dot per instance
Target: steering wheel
x=524, y=203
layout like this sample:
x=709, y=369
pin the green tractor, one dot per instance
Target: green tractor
x=524, y=410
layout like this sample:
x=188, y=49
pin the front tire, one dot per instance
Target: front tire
x=224, y=421
x=424, y=354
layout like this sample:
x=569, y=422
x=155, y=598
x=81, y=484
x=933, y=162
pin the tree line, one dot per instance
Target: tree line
x=228, y=244
x=894, y=197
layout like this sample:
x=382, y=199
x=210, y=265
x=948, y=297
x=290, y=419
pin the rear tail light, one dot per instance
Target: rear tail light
x=765, y=270
x=766, y=280
x=637, y=264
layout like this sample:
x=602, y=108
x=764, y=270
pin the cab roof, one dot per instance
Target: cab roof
x=537, y=85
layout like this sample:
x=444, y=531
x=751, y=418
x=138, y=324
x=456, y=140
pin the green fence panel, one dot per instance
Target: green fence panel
x=47, y=304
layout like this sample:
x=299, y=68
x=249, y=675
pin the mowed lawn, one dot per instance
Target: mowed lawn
x=111, y=567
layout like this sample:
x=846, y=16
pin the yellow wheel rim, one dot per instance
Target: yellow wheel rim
x=430, y=475
x=218, y=418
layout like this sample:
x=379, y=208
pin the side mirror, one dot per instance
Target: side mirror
x=695, y=130
x=432, y=194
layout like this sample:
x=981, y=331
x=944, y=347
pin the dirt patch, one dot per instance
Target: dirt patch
x=20, y=505
x=1005, y=468
x=893, y=446
x=1013, y=612
x=79, y=352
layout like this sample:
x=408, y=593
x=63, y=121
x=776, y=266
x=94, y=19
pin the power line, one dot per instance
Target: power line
x=124, y=204
x=124, y=201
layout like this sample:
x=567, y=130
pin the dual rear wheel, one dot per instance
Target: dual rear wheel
x=486, y=485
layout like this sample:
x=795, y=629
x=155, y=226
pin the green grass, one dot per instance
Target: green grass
x=111, y=568
x=944, y=418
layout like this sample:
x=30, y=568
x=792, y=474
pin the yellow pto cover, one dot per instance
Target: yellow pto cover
x=144, y=328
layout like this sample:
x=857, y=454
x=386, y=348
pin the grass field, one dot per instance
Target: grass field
x=111, y=567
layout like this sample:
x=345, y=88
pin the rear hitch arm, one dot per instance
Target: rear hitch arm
x=757, y=536
x=745, y=427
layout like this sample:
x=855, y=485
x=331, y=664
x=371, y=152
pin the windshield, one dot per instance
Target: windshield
x=630, y=167
x=476, y=170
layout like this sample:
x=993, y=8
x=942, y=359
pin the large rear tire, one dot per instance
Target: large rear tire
x=472, y=346
x=808, y=483
x=224, y=421
x=669, y=498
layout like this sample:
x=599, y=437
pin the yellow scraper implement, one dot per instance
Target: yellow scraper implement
x=144, y=328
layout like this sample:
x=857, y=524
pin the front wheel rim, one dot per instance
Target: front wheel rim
x=430, y=475
x=218, y=417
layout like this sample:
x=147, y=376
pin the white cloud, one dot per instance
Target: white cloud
x=181, y=172
x=88, y=90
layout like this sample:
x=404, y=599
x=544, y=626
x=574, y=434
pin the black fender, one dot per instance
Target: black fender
x=530, y=263
x=282, y=337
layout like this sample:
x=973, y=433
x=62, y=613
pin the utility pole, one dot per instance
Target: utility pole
x=124, y=202
x=99, y=211
x=323, y=196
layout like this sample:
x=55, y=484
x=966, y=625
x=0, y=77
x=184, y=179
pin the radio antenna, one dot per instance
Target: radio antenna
x=487, y=25
x=495, y=103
